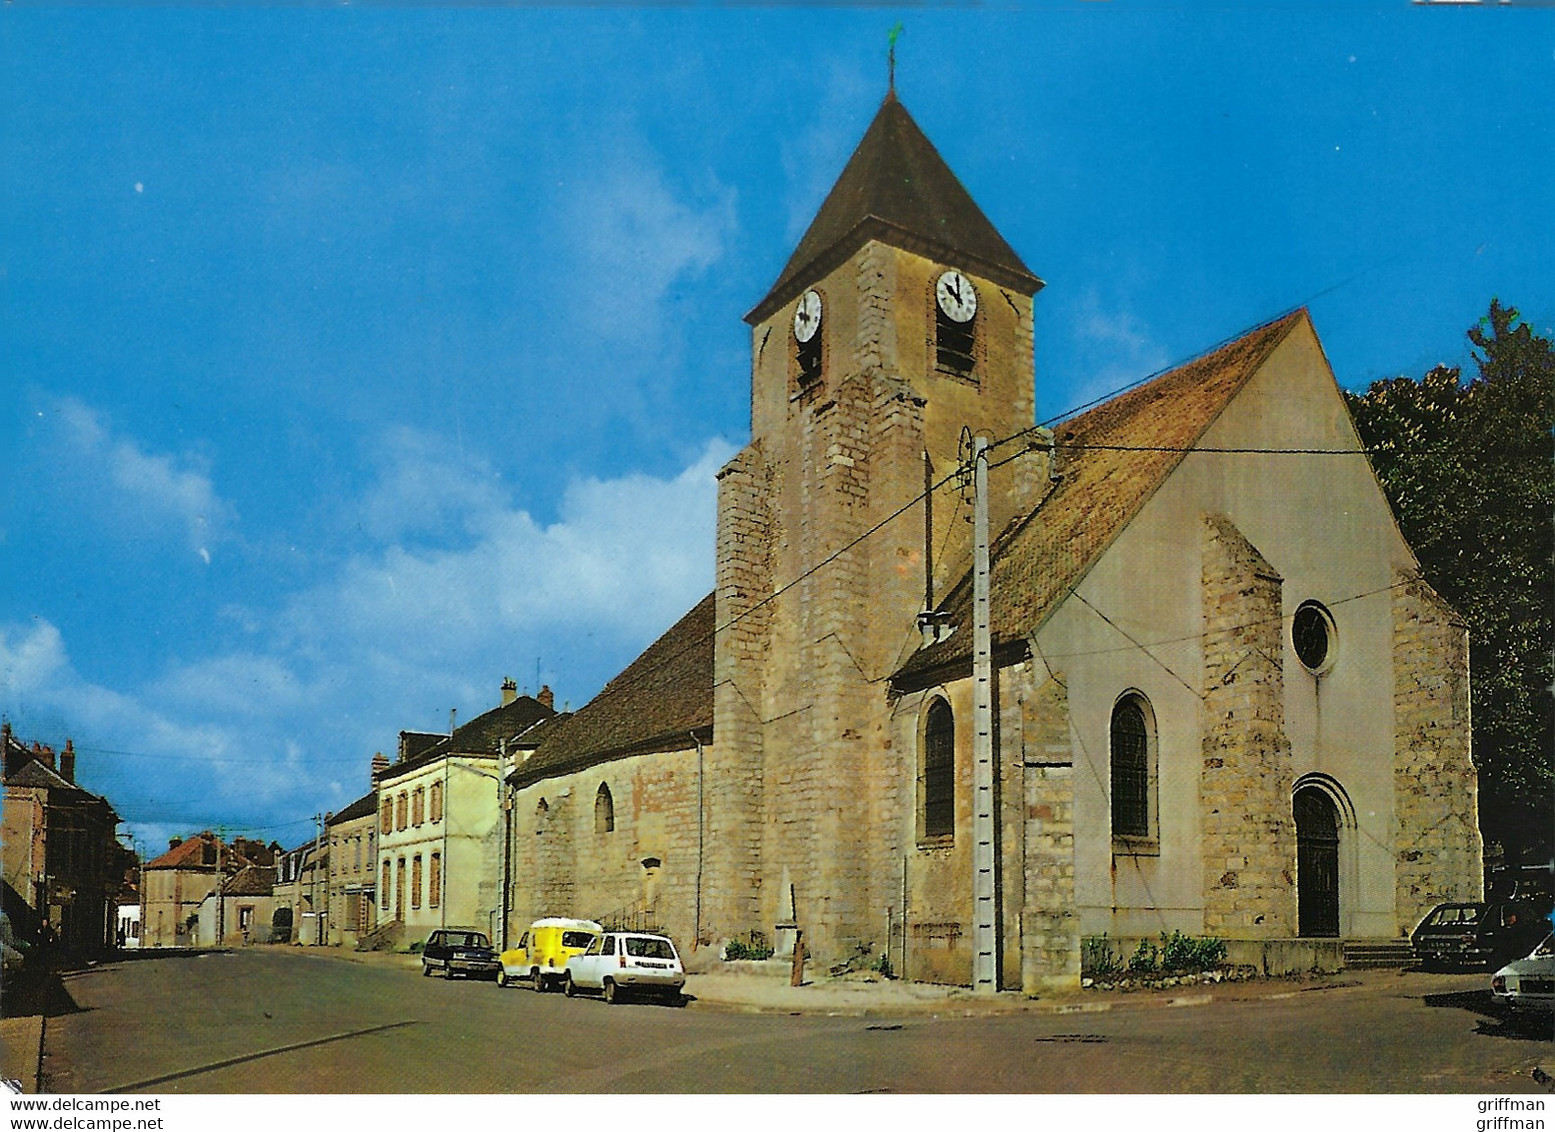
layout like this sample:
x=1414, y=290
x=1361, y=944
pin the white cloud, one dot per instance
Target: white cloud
x=141, y=487
x=633, y=239
x=287, y=724
x=29, y=661
x=1112, y=348
x=178, y=762
x=625, y=556
x=421, y=488
x=815, y=151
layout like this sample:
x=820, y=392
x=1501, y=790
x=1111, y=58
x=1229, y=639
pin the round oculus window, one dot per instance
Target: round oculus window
x=1312, y=635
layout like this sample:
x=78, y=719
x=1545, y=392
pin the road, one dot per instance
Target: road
x=286, y=1021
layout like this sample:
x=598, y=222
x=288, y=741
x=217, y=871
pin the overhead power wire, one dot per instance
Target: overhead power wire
x=617, y=684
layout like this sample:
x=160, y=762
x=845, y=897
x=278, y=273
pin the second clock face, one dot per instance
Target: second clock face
x=807, y=316
x=956, y=296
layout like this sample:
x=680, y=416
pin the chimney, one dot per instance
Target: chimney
x=67, y=762
x=509, y=691
x=44, y=755
x=174, y=843
x=380, y=764
x=546, y=697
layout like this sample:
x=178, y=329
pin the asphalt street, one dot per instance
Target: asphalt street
x=279, y=1020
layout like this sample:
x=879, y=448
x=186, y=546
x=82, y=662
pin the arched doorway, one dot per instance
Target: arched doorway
x=1317, y=862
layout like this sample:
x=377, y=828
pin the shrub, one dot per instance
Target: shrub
x=1146, y=958
x=1096, y=957
x=883, y=965
x=1191, y=953
x=739, y=949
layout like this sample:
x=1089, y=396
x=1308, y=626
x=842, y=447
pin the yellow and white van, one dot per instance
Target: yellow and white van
x=540, y=957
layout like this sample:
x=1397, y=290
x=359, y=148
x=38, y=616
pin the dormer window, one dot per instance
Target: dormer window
x=955, y=323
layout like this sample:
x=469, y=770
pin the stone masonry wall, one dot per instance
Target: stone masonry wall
x=1050, y=928
x=564, y=865
x=1435, y=786
x=1249, y=836
x=832, y=910
x=832, y=784
x=733, y=785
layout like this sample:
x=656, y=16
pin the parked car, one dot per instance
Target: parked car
x=540, y=958
x=1479, y=935
x=621, y=963
x=1528, y=984
x=459, y=952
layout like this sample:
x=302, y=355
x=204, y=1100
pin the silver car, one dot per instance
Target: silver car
x=1528, y=984
x=621, y=963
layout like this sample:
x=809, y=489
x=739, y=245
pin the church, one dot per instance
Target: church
x=1220, y=698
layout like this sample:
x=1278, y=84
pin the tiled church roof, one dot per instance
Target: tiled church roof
x=1040, y=558
x=653, y=705
x=897, y=188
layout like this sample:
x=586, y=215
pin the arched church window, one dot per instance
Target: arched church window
x=1131, y=744
x=604, y=811
x=939, y=771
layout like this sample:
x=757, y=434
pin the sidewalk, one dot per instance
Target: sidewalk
x=21, y=1045
x=745, y=989
x=854, y=996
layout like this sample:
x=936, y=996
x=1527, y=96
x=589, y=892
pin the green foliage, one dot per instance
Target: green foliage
x=1096, y=957
x=1191, y=953
x=1175, y=953
x=1146, y=958
x=883, y=965
x=738, y=949
x=1467, y=468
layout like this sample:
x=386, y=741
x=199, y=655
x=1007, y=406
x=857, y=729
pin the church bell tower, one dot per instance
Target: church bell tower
x=902, y=318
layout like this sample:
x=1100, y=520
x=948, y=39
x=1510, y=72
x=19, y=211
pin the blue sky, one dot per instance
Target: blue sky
x=356, y=359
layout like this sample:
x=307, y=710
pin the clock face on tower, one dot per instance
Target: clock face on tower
x=956, y=296
x=807, y=316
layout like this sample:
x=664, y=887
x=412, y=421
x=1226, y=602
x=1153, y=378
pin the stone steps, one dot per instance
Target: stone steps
x=1362, y=954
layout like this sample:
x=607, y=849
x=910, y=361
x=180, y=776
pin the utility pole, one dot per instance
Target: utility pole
x=505, y=795
x=221, y=894
x=318, y=837
x=985, y=968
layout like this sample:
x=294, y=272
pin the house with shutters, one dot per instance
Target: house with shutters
x=352, y=869
x=441, y=822
x=1220, y=699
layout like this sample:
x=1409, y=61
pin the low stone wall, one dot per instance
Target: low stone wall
x=1286, y=956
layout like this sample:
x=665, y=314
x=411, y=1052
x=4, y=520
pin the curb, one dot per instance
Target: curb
x=1007, y=1002
x=752, y=994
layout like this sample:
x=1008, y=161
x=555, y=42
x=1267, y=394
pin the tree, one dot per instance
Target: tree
x=1468, y=470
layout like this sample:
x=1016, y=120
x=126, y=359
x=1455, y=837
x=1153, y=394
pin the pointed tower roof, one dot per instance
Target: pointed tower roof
x=898, y=189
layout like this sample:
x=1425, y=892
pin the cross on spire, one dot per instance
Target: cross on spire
x=891, y=60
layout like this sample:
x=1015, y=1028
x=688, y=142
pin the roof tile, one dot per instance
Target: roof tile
x=897, y=187
x=1043, y=556
x=653, y=705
